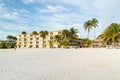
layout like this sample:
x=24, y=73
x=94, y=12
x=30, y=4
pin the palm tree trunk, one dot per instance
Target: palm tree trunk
x=88, y=35
x=94, y=34
x=113, y=42
x=43, y=43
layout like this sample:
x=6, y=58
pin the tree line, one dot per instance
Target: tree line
x=9, y=43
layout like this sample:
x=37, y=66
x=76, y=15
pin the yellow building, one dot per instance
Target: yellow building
x=35, y=41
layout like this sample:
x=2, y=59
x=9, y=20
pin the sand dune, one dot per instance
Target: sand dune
x=60, y=64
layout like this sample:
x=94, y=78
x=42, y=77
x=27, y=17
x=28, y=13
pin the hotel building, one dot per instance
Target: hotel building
x=35, y=41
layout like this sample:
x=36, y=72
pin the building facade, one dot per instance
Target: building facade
x=35, y=41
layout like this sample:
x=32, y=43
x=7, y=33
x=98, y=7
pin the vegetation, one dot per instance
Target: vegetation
x=94, y=24
x=34, y=33
x=112, y=33
x=68, y=38
x=88, y=25
x=51, y=43
x=9, y=37
x=58, y=39
x=7, y=45
x=24, y=32
x=43, y=34
x=86, y=42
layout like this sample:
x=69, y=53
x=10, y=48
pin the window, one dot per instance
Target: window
x=30, y=46
x=25, y=42
x=37, y=42
x=30, y=42
x=44, y=42
x=51, y=38
x=37, y=38
x=51, y=33
x=59, y=33
x=31, y=38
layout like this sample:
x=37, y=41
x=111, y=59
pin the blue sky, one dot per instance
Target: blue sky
x=36, y=15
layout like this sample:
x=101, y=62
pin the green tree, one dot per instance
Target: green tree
x=58, y=39
x=23, y=32
x=43, y=34
x=94, y=23
x=112, y=33
x=66, y=34
x=87, y=26
x=65, y=44
x=34, y=33
x=51, y=43
x=9, y=37
x=73, y=36
x=86, y=42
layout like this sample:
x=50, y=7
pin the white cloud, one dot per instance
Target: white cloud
x=23, y=11
x=28, y=1
x=51, y=8
x=36, y=1
x=15, y=13
x=12, y=26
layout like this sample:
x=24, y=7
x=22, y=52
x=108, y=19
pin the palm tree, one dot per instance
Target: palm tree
x=94, y=24
x=112, y=33
x=23, y=32
x=86, y=42
x=73, y=32
x=87, y=26
x=43, y=34
x=51, y=43
x=66, y=34
x=73, y=35
x=34, y=33
x=58, y=39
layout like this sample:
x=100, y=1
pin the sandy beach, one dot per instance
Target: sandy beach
x=60, y=64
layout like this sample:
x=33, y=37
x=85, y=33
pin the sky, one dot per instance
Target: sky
x=36, y=15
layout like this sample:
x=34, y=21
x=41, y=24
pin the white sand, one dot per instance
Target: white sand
x=60, y=64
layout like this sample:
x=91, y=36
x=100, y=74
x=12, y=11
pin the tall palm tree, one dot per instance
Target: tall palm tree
x=94, y=24
x=112, y=32
x=43, y=34
x=87, y=26
x=23, y=32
